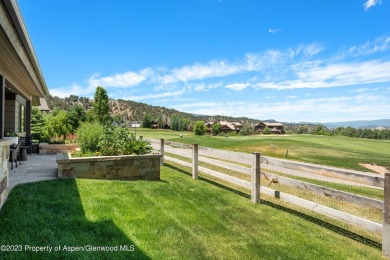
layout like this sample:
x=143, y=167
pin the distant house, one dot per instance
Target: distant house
x=209, y=126
x=226, y=127
x=276, y=128
x=154, y=124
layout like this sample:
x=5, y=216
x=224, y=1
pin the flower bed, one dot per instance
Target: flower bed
x=124, y=167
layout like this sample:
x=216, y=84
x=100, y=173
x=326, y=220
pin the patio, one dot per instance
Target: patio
x=36, y=168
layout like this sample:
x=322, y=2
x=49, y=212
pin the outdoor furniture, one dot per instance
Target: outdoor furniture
x=15, y=155
x=23, y=152
x=27, y=145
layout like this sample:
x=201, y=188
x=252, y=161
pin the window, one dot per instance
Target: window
x=22, y=118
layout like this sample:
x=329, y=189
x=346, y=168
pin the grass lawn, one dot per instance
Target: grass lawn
x=338, y=151
x=175, y=218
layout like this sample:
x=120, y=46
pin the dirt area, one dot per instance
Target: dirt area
x=375, y=168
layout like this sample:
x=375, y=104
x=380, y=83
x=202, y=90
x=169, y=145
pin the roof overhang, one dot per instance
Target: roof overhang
x=18, y=62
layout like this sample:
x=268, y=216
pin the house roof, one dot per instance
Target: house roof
x=23, y=72
x=227, y=125
x=210, y=123
x=269, y=124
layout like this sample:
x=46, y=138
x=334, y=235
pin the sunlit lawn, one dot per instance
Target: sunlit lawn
x=175, y=218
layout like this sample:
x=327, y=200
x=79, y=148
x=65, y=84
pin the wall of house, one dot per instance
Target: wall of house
x=11, y=116
x=12, y=113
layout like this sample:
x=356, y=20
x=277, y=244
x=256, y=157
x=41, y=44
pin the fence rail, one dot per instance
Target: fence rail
x=251, y=164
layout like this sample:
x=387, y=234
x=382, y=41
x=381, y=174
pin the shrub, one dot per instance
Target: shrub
x=199, y=128
x=216, y=129
x=247, y=129
x=118, y=141
x=141, y=146
x=57, y=125
x=88, y=136
x=115, y=141
x=267, y=130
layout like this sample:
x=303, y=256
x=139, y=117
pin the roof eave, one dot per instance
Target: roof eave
x=17, y=19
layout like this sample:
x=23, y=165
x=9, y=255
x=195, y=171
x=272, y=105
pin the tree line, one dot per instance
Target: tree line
x=383, y=134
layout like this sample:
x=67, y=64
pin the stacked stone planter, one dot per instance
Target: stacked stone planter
x=125, y=167
x=45, y=148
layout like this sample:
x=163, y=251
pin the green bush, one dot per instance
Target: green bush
x=57, y=125
x=115, y=141
x=141, y=146
x=88, y=136
x=199, y=128
x=216, y=129
x=267, y=130
x=118, y=141
x=247, y=129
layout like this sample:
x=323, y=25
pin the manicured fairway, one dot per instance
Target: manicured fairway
x=339, y=151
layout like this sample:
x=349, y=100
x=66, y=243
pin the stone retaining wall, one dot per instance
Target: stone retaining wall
x=126, y=167
x=4, y=170
x=45, y=148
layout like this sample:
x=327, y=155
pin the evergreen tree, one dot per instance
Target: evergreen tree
x=37, y=124
x=147, y=121
x=101, y=106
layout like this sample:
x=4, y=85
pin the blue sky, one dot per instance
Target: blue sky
x=292, y=61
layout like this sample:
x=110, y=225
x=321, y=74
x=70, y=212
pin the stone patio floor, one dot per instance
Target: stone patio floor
x=36, y=168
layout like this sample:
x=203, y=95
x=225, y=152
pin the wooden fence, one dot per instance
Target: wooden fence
x=249, y=165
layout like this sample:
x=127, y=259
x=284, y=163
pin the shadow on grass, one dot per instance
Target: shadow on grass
x=219, y=185
x=324, y=224
x=50, y=215
x=312, y=219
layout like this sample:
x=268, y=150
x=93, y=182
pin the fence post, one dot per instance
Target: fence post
x=195, y=161
x=255, y=180
x=162, y=152
x=386, y=218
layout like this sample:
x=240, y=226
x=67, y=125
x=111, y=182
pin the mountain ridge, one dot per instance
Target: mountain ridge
x=129, y=110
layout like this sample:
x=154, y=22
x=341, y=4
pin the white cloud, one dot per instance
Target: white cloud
x=378, y=45
x=312, y=49
x=155, y=96
x=296, y=110
x=237, y=86
x=74, y=89
x=127, y=79
x=332, y=75
x=274, y=30
x=370, y=3
x=197, y=105
x=275, y=72
x=200, y=71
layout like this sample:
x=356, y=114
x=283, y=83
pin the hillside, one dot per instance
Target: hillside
x=129, y=110
x=135, y=111
x=364, y=124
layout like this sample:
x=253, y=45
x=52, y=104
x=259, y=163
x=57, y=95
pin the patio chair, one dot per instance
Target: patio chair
x=27, y=144
x=15, y=155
